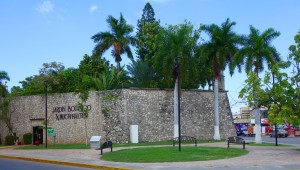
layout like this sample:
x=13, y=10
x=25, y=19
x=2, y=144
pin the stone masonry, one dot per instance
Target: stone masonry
x=112, y=112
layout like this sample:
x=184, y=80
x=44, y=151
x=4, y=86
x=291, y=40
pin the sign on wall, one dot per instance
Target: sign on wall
x=60, y=112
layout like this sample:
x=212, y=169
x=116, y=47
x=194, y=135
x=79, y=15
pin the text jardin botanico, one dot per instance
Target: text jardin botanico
x=60, y=115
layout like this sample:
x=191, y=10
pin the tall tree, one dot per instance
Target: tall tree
x=3, y=76
x=177, y=41
x=294, y=57
x=92, y=65
x=256, y=52
x=147, y=29
x=118, y=37
x=294, y=103
x=53, y=72
x=6, y=111
x=218, y=53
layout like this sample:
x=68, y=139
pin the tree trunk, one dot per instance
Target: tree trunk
x=118, y=66
x=176, y=130
x=86, y=137
x=256, y=112
x=258, y=139
x=216, y=110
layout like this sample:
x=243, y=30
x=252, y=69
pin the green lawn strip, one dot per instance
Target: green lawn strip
x=171, y=154
x=56, y=146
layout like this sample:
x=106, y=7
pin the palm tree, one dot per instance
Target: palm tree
x=256, y=52
x=177, y=41
x=217, y=53
x=142, y=74
x=110, y=79
x=118, y=37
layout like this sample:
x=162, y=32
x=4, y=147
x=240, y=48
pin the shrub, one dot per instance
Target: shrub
x=0, y=140
x=27, y=138
x=10, y=140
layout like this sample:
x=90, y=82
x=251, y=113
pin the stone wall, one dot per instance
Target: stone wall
x=112, y=113
x=152, y=110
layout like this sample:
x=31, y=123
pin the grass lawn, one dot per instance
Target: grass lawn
x=56, y=146
x=171, y=154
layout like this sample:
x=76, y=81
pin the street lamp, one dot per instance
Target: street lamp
x=276, y=141
x=176, y=73
x=46, y=110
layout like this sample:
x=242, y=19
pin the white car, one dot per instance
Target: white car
x=280, y=133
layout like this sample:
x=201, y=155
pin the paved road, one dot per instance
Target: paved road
x=289, y=140
x=12, y=164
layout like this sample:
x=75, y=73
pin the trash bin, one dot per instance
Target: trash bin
x=95, y=142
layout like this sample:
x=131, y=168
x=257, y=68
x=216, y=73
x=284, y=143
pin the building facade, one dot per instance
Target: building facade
x=112, y=112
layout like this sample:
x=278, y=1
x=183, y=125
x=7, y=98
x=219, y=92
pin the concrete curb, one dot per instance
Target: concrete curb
x=65, y=163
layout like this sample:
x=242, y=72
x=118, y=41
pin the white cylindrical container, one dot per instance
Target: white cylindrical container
x=134, y=134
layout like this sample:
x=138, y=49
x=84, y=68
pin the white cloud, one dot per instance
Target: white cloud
x=45, y=7
x=93, y=8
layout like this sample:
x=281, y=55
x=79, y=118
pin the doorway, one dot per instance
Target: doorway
x=38, y=134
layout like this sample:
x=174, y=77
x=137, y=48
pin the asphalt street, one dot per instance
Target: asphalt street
x=13, y=164
x=289, y=140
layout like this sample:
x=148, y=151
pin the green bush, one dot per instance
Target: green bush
x=10, y=140
x=27, y=138
x=0, y=140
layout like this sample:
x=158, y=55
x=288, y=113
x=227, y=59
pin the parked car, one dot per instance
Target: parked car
x=280, y=133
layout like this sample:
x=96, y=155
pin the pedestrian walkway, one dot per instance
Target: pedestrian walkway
x=259, y=157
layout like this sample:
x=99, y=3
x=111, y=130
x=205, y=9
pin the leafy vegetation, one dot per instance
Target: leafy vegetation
x=147, y=30
x=10, y=140
x=27, y=138
x=3, y=77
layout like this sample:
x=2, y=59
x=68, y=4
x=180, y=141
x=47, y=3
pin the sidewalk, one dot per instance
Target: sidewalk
x=269, y=158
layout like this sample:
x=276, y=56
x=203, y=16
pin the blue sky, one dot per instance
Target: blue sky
x=34, y=32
